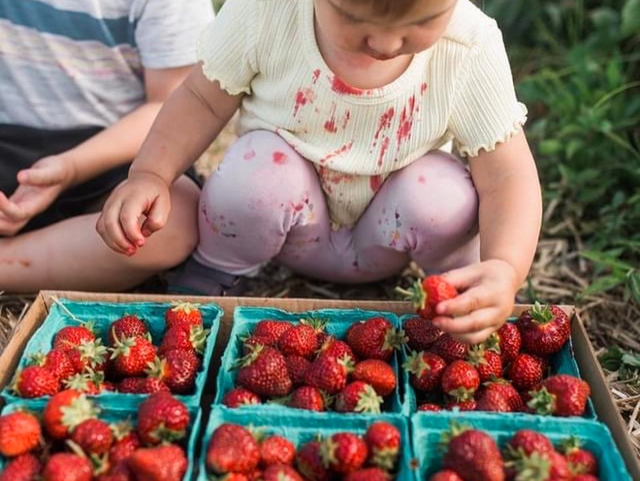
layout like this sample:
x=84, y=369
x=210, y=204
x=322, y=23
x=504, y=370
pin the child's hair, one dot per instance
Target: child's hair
x=387, y=8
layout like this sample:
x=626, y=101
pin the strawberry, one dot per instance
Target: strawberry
x=544, y=329
x=421, y=333
x=379, y=374
x=35, y=381
x=429, y=407
x=126, y=441
x=548, y=466
x=281, y=472
x=193, y=340
x=506, y=341
x=580, y=460
x=178, y=370
x=507, y=390
x=333, y=347
x=383, y=441
x=375, y=338
x=297, y=367
x=161, y=417
x=460, y=380
x=368, y=474
x=117, y=472
x=446, y=475
x=468, y=405
x=25, y=467
x=239, y=397
x=249, y=343
x=183, y=315
x=142, y=385
x=65, y=411
x=264, y=372
x=237, y=477
x=525, y=442
x=58, y=362
x=271, y=329
x=487, y=363
x=307, y=397
x=358, y=397
x=493, y=401
x=343, y=452
x=300, y=340
x=67, y=467
x=232, y=448
x=89, y=382
x=71, y=336
x=425, y=370
x=561, y=395
x=127, y=326
x=310, y=464
x=329, y=374
x=131, y=355
x=277, y=450
x=525, y=372
x=450, y=349
x=88, y=355
x=159, y=463
x=427, y=293
x=19, y=433
x=474, y=455
x=94, y=436
x=581, y=477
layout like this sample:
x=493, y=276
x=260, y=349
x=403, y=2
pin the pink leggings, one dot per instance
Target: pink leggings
x=253, y=210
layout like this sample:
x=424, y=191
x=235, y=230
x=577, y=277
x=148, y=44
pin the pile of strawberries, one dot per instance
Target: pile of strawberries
x=507, y=373
x=69, y=442
x=303, y=367
x=235, y=454
x=130, y=363
x=528, y=455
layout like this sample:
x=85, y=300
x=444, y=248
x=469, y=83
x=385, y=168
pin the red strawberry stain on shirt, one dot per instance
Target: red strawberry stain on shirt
x=340, y=87
x=303, y=97
x=280, y=158
x=384, y=123
x=406, y=120
x=342, y=150
x=316, y=75
x=383, y=150
x=345, y=119
x=423, y=88
x=330, y=125
x=375, y=182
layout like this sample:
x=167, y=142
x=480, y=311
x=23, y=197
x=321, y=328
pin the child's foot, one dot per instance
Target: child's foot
x=196, y=279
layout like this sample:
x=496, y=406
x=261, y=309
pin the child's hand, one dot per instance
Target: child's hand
x=487, y=296
x=134, y=211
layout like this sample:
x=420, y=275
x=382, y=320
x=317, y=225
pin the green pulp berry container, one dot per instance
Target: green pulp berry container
x=338, y=322
x=102, y=314
x=300, y=427
x=427, y=430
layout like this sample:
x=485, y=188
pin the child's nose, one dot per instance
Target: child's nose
x=385, y=45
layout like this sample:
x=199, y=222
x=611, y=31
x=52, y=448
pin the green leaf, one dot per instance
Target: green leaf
x=612, y=358
x=606, y=259
x=602, y=284
x=631, y=360
x=631, y=17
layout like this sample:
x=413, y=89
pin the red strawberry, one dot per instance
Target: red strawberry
x=474, y=455
x=193, y=340
x=425, y=369
x=525, y=372
x=239, y=397
x=493, y=401
x=184, y=315
x=161, y=417
x=343, y=452
x=487, y=363
x=450, y=349
x=277, y=450
x=271, y=329
x=127, y=326
x=300, y=340
x=421, y=333
x=232, y=448
x=238, y=477
x=505, y=341
x=525, y=442
x=94, y=436
x=329, y=374
x=446, y=475
x=117, y=472
x=460, y=380
x=379, y=374
x=358, y=397
x=71, y=336
x=307, y=397
x=544, y=329
x=19, y=433
x=281, y=472
x=580, y=460
x=65, y=411
x=429, y=407
x=375, y=338
x=68, y=467
x=550, y=466
x=561, y=395
x=89, y=383
x=25, y=467
x=468, y=405
x=368, y=474
x=142, y=385
x=160, y=463
x=88, y=355
x=510, y=393
x=178, y=370
x=383, y=440
x=310, y=464
x=333, y=347
x=251, y=342
x=125, y=443
x=581, y=477
x=264, y=372
x=58, y=362
x=297, y=367
x=35, y=381
x=428, y=293
x=132, y=356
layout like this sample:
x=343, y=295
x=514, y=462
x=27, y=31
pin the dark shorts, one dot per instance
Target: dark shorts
x=21, y=146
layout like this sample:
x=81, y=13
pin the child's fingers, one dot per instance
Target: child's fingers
x=157, y=216
x=108, y=226
x=463, y=277
x=471, y=300
x=473, y=322
x=130, y=215
x=11, y=210
x=38, y=176
x=475, y=337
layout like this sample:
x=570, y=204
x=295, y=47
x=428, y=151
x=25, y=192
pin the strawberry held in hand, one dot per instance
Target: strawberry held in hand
x=544, y=329
x=428, y=293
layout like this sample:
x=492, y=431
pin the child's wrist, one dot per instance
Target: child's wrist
x=147, y=174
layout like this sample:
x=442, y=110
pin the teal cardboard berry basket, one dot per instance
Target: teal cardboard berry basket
x=102, y=314
x=427, y=431
x=111, y=415
x=338, y=322
x=300, y=427
x=563, y=362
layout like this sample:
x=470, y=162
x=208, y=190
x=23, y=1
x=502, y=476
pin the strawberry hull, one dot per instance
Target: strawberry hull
x=300, y=427
x=427, y=431
x=338, y=322
x=103, y=314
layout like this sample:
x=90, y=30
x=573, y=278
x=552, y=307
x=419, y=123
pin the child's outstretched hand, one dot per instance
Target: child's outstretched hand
x=135, y=210
x=487, y=294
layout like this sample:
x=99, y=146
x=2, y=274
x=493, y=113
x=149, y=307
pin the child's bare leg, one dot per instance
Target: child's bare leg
x=71, y=254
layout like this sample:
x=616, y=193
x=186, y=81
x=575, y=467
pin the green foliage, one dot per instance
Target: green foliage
x=625, y=362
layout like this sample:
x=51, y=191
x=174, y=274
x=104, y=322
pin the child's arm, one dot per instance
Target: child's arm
x=510, y=217
x=188, y=122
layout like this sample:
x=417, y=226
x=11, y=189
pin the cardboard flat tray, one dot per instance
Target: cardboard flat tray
x=585, y=356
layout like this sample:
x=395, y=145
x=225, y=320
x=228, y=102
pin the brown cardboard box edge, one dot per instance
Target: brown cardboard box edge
x=585, y=355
